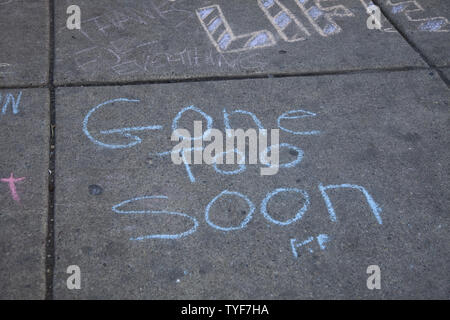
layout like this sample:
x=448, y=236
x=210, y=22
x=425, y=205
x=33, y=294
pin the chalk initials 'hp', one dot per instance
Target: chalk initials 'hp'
x=74, y=280
x=74, y=19
x=374, y=280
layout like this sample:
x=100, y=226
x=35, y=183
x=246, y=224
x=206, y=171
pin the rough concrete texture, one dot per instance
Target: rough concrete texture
x=446, y=72
x=425, y=23
x=24, y=132
x=157, y=39
x=385, y=132
x=24, y=42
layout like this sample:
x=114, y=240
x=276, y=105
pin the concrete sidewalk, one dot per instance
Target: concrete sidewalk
x=86, y=120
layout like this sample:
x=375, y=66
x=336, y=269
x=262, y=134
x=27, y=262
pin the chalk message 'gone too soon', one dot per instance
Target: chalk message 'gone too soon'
x=132, y=136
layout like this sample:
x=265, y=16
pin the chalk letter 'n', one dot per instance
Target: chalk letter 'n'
x=373, y=205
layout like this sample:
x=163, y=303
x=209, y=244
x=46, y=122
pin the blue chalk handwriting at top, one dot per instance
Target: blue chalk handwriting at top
x=122, y=131
x=156, y=236
x=226, y=119
x=296, y=114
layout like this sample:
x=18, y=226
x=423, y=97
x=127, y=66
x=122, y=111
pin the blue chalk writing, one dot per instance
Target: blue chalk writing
x=224, y=41
x=267, y=3
x=291, y=164
x=260, y=40
x=282, y=20
x=299, y=214
x=156, y=236
x=321, y=240
x=10, y=99
x=315, y=12
x=243, y=223
x=209, y=122
x=226, y=119
x=188, y=168
x=373, y=205
x=433, y=25
x=183, y=151
x=241, y=163
x=205, y=12
x=215, y=24
x=291, y=115
x=122, y=131
x=295, y=245
x=398, y=8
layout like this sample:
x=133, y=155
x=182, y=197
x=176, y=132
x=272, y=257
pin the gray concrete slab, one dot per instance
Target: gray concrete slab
x=24, y=41
x=24, y=131
x=377, y=145
x=425, y=23
x=446, y=72
x=160, y=39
